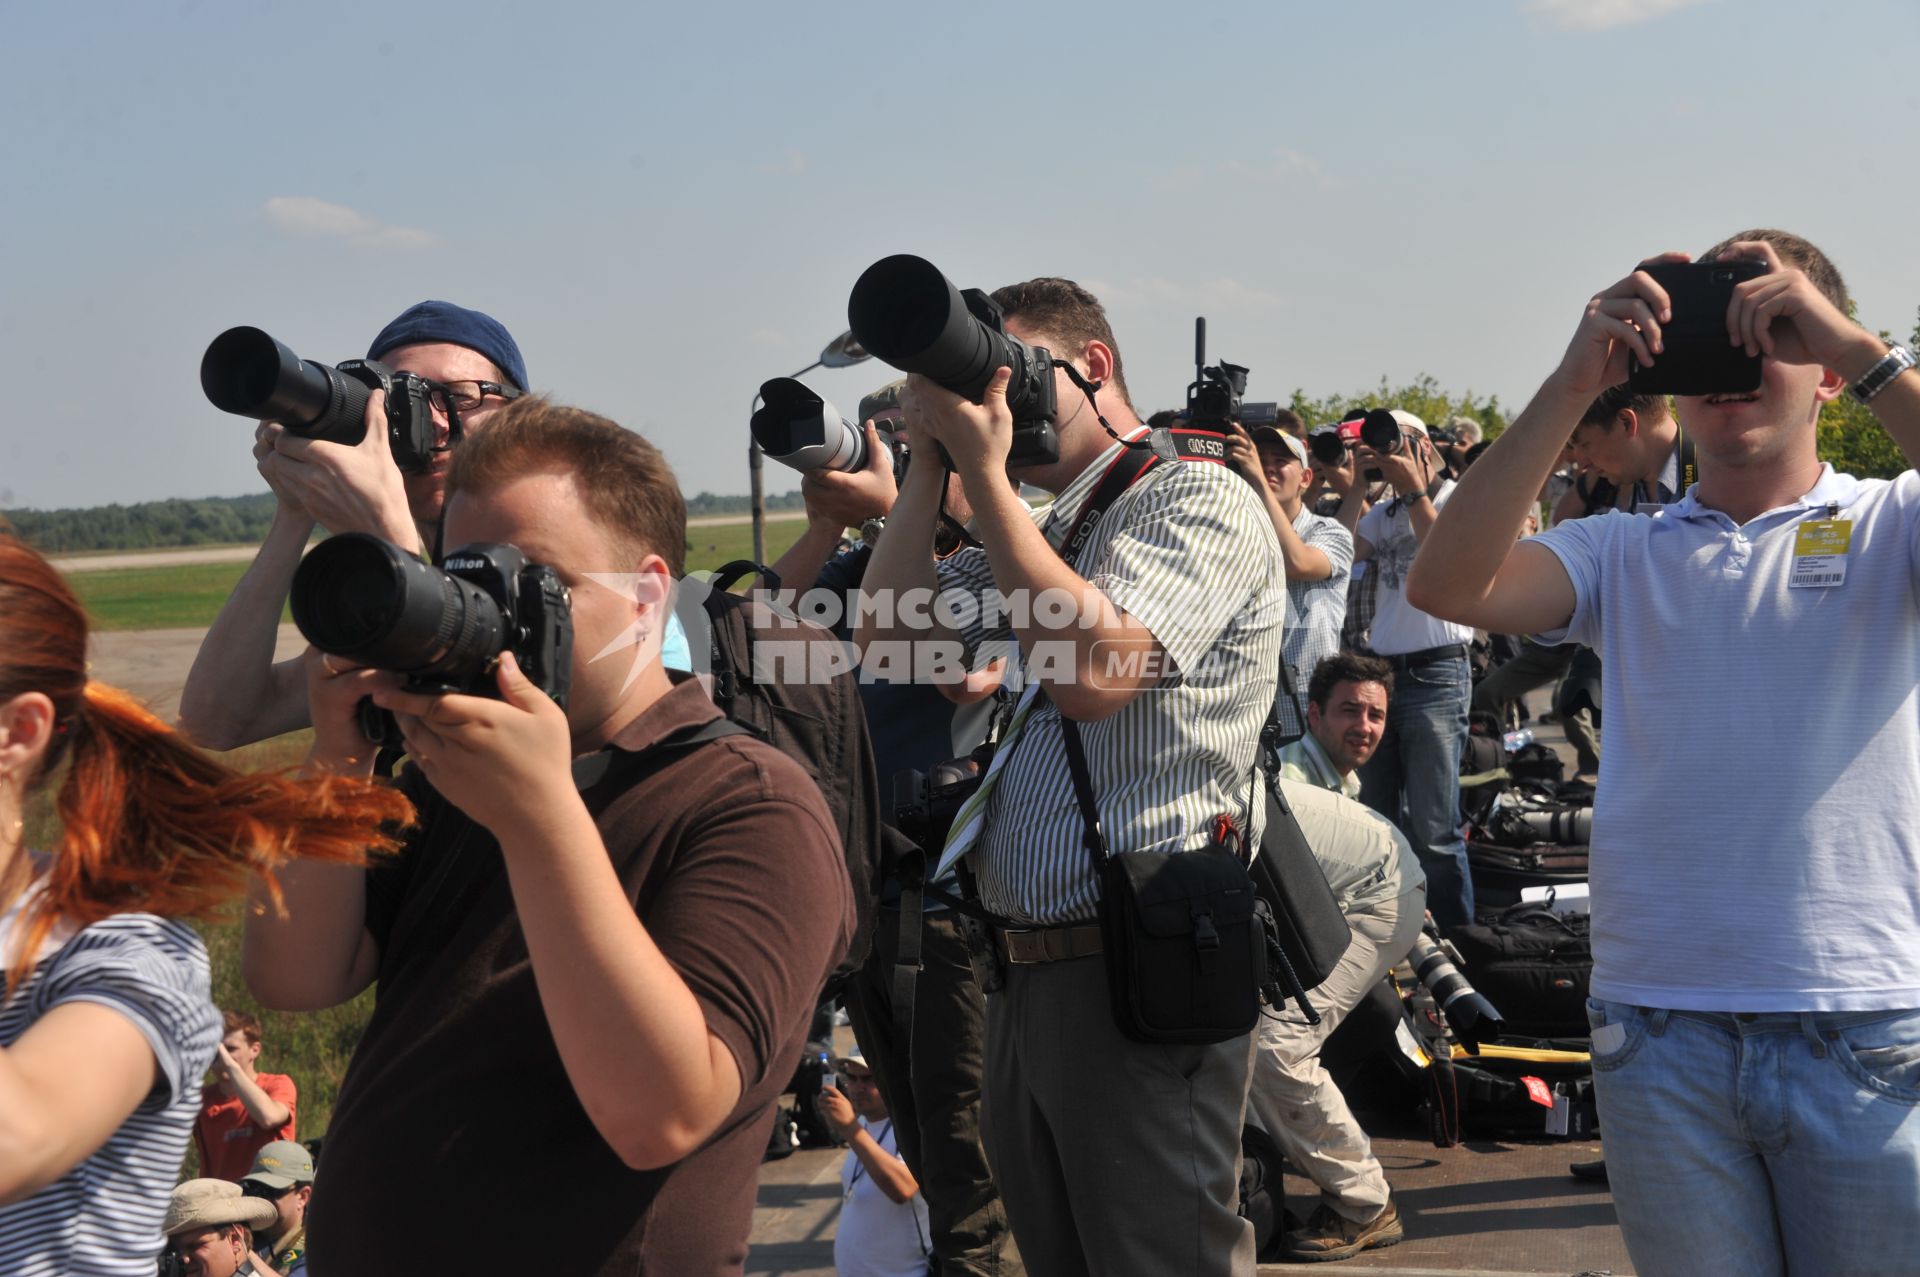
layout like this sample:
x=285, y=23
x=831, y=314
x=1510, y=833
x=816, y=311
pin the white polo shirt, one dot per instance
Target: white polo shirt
x=1756, y=834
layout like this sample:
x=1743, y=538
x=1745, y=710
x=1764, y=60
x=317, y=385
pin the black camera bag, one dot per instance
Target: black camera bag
x=1534, y=964
x=1184, y=936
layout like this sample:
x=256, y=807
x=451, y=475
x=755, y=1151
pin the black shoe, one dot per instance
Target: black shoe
x=1594, y=1172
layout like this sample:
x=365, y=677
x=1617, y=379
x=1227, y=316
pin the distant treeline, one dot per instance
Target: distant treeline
x=146, y=526
x=153, y=525
x=708, y=503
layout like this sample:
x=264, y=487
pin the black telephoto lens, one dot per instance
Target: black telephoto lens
x=906, y=312
x=1380, y=430
x=248, y=373
x=367, y=600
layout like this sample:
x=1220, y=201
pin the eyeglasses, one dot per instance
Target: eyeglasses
x=467, y=396
x=254, y=1188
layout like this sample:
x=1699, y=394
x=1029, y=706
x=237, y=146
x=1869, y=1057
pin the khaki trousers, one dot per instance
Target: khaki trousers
x=1294, y=1097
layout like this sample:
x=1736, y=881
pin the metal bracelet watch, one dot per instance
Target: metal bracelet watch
x=1877, y=378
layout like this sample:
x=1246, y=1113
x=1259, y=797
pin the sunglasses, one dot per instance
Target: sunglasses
x=266, y=1192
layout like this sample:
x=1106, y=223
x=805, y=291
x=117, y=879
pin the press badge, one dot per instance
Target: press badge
x=1820, y=553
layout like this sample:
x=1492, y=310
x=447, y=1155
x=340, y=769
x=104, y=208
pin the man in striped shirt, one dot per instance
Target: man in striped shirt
x=1161, y=638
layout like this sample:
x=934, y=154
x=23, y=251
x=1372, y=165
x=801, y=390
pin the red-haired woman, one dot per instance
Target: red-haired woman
x=106, y=1023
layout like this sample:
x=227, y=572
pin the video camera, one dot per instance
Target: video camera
x=1213, y=398
x=367, y=600
x=797, y=428
x=905, y=311
x=248, y=373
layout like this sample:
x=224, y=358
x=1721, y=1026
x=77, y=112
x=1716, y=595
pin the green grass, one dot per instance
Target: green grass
x=189, y=596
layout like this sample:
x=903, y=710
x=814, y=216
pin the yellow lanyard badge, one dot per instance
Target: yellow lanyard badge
x=1820, y=553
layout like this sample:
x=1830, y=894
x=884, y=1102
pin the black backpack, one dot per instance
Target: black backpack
x=1534, y=965
x=818, y=722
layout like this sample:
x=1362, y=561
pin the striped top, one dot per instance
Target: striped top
x=104, y=1215
x=1315, y=610
x=1189, y=552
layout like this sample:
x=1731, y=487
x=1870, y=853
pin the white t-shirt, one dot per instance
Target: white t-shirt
x=1398, y=626
x=1756, y=832
x=877, y=1236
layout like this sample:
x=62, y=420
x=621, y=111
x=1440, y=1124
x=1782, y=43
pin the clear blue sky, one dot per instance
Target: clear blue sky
x=667, y=204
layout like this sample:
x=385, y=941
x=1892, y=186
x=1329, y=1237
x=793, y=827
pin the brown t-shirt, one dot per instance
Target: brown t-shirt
x=458, y=1144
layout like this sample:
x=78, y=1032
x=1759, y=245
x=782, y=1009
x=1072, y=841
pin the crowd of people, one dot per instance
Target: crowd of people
x=600, y=925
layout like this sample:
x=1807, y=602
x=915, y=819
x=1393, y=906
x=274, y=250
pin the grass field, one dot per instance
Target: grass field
x=189, y=596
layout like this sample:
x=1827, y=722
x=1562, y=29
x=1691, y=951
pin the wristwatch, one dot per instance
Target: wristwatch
x=1877, y=378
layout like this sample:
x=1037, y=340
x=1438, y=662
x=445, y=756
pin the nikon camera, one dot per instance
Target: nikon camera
x=249, y=373
x=364, y=599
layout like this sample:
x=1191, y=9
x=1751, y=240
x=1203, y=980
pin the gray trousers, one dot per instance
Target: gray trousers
x=1113, y=1157
x=1296, y=1099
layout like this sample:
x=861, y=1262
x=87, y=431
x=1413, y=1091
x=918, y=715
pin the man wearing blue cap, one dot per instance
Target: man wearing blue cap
x=236, y=694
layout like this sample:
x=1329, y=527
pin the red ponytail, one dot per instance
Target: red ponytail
x=150, y=824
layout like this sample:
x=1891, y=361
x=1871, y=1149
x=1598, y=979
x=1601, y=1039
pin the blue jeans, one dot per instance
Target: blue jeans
x=1413, y=779
x=1757, y=1145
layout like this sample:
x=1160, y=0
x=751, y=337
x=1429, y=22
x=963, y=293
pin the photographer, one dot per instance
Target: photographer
x=235, y=693
x=619, y=959
x=1113, y=1155
x=1757, y=945
x=1317, y=550
x=1413, y=779
x=927, y=1057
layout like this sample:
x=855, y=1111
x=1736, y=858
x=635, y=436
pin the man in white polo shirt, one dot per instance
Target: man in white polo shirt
x=1413, y=778
x=1756, y=839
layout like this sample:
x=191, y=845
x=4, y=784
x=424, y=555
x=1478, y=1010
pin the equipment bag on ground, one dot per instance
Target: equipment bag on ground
x=1533, y=964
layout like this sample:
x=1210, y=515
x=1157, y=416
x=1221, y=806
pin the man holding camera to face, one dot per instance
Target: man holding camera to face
x=926, y=1053
x=1757, y=946
x=1112, y=1154
x=1413, y=778
x=236, y=694
x=601, y=944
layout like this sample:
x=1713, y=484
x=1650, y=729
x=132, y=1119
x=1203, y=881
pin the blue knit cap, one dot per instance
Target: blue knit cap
x=444, y=321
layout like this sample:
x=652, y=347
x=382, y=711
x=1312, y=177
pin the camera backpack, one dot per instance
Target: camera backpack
x=1534, y=966
x=818, y=722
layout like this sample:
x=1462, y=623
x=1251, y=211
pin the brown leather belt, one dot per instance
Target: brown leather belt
x=1048, y=944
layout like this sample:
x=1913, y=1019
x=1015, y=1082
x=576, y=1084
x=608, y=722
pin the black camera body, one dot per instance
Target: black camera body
x=1382, y=431
x=906, y=312
x=925, y=803
x=367, y=600
x=248, y=373
x=1326, y=445
x=1213, y=398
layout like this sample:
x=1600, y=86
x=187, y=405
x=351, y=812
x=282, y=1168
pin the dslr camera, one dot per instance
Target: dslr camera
x=367, y=600
x=248, y=373
x=1382, y=431
x=797, y=428
x=925, y=803
x=905, y=311
x=1213, y=398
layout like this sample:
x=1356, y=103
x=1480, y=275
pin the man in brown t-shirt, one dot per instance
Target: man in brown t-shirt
x=597, y=954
